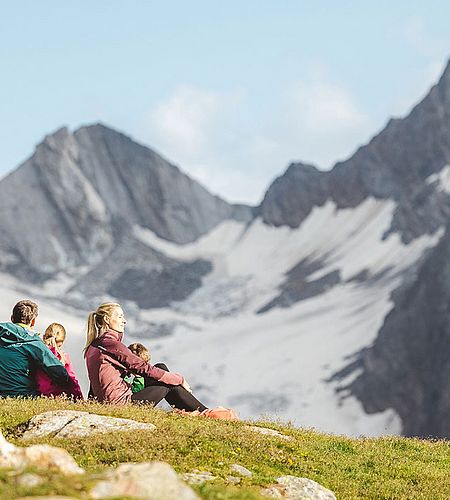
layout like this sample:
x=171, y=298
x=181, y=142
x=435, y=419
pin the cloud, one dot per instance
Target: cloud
x=185, y=119
x=322, y=122
x=202, y=132
x=216, y=138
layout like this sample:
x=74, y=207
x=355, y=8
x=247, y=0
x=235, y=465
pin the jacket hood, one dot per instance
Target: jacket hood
x=10, y=333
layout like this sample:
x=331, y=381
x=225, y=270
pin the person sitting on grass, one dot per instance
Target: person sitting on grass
x=54, y=338
x=22, y=353
x=137, y=382
x=108, y=361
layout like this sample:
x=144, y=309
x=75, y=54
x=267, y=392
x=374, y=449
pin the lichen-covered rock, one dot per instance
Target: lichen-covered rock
x=241, y=470
x=29, y=480
x=41, y=456
x=150, y=481
x=267, y=432
x=198, y=477
x=298, y=488
x=70, y=424
x=51, y=497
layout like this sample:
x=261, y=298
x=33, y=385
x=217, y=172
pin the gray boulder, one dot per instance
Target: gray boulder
x=265, y=431
x=150, y=481
x=298, y=488
x=77, y=424
x=40, y=456
x=241, y=470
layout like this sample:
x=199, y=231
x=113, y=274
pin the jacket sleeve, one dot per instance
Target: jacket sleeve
x=45, y=360
x=138, y=366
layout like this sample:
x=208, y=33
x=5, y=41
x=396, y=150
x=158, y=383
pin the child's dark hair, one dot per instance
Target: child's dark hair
x=140, y=350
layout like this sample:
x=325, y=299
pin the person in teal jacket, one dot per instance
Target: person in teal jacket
x=22, y=352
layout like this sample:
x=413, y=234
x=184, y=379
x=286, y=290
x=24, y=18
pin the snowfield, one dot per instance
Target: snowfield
x=278, y=363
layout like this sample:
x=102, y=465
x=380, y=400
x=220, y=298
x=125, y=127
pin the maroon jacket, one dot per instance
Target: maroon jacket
x=108, y=360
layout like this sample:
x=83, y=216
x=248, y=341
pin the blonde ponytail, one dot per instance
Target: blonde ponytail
x=96, y=322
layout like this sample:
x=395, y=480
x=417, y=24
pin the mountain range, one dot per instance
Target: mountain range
x=327, y=304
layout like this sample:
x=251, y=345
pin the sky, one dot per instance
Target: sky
x=231, y=92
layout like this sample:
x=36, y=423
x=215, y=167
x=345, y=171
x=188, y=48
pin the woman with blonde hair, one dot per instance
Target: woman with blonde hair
x=108, y=361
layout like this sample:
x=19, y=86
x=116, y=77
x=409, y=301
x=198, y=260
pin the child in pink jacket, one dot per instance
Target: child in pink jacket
x=54, y=337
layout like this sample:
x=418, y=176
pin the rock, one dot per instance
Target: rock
x=233, y=479
x=298, y=488
x=239, y=469
x=51, y=497
x=28, y=480
x=150, y=481
x=41, y=456
x=273, y=492
x=267, y=432
x=70, y=424
x=197, y=477
x=48, y=457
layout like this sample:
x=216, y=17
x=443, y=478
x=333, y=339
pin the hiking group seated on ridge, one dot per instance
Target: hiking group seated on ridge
x=32, y=366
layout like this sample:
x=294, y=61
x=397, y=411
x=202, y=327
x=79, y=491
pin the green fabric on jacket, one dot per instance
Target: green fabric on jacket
x=21, y=353
x=138, y=384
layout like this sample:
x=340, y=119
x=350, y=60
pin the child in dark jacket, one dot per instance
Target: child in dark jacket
x=54, y=337
x=137, y=382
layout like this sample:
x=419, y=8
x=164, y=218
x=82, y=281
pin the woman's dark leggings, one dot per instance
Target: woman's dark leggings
x=175, y=395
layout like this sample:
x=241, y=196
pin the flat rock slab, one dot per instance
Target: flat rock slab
x=197, y=477
x=298, y=488
x=51, y=497
x=267, y=432
x=241, y=470
x=147, y=480
x=78, y=424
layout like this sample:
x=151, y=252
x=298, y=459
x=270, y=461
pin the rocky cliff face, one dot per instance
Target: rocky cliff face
x=408, y=367
x=79, y=194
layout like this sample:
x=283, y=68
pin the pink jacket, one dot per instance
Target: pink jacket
x=108, y=360
x=47, y=387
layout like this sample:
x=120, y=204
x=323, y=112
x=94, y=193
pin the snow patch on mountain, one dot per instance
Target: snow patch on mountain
x=442, y=180
x=251, y=261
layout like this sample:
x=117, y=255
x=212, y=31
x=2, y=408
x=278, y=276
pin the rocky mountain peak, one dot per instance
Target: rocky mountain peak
x=82, y=192
x=291, y=197
x=444, y=81
x=395, y=165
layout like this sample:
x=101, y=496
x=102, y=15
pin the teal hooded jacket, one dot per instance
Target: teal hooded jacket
x=21, y=354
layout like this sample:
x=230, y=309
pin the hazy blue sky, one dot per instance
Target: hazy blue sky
x=229, y=91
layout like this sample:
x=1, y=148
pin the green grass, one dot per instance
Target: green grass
x=383, y=468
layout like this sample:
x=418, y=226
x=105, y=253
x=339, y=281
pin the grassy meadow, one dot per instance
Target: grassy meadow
x=382, y=468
